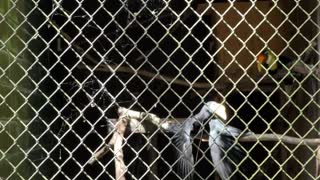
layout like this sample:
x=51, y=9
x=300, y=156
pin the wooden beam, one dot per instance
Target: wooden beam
x=120, y=166
x=166, y=124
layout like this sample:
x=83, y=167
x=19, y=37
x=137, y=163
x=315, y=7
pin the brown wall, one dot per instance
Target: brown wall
x=241, y=32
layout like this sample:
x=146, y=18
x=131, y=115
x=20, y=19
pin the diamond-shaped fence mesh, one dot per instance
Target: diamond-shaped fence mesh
x=159, y=89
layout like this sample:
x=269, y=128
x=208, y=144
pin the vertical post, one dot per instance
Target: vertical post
x=317, y=162
x=120, y=167
x=317, y=99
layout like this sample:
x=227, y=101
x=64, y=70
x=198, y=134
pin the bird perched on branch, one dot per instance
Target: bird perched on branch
x=182, y=140
x=224, y=152
x=268, y=60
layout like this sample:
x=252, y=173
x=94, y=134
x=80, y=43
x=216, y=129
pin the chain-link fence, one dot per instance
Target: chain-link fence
x=79, y=79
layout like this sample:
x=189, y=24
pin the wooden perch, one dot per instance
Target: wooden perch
x=97, y=66
x=119, y=162
x=148, y=74
x=103, y=151
x=303, y=69
x=306, y=69
x=282, y=138
x=318, y=162
x=115, y=143
x=300, y=68
x=131, y=114
x=166, y=124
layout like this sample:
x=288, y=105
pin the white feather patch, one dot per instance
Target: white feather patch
x=217, y=109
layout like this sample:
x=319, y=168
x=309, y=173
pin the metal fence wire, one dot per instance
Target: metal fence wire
x=159, y=89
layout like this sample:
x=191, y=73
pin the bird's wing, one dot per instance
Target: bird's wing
x=228, y=136
x=222, y=167
x=226, y=155
x=182, y=142
x=235, y=132
x=232, y=131
x=272, y=61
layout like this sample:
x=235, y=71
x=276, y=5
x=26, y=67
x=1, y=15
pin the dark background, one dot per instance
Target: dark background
x=142, y=36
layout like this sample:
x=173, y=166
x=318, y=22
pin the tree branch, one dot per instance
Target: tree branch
x=166, y=124
x=151, y=75
x=282, y=138
x=318, y=162
x=300, y=68
x=120, y=166
x=99, y=154
x=115, y=142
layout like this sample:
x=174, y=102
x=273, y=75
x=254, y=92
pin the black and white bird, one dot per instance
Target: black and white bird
x=224, y=152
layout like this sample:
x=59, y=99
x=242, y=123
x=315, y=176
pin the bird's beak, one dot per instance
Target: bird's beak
x=221, y=111
x=259, y=66
x=218, y=109
x=261, y=59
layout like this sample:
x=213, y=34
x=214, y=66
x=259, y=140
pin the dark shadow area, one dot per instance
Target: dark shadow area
x=134, y=39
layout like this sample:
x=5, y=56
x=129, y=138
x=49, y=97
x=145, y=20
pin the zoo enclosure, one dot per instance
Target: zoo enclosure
x=67, y=65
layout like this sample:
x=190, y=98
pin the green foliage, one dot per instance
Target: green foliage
x=14, y=139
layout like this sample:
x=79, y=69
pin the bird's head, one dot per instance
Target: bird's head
x=217, y=109
x=262, y=59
